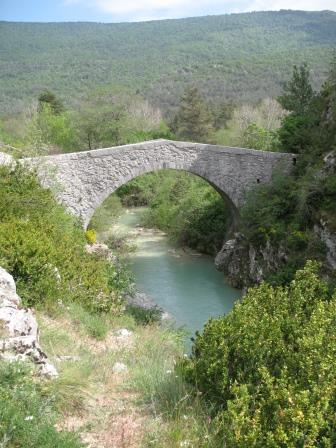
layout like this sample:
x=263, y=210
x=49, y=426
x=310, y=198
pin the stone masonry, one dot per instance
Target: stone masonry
x=83, y=180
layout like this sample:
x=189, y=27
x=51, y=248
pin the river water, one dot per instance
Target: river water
x=186, y=284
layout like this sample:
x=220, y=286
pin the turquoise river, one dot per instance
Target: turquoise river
x=183, y=283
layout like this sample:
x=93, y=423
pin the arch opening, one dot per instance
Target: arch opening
x=137, y=172
x=191, y=209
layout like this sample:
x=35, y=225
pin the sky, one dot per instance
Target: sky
x=140, y=10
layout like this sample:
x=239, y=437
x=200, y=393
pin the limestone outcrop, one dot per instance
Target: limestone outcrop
x=328, y=238
x=244, y=265
x=19, y=333
x=5, y=159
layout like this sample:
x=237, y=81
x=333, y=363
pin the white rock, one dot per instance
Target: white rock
x=6, y=159
x=6, y=281
x=9, y=298
x=48, y=370
x=123, y=333
x=19, y=329
x=19, y=322
x=119, y=367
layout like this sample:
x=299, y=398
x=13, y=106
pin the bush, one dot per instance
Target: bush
x=44, y=249
x=145, y=316
x=269, y=367
x=27, y=415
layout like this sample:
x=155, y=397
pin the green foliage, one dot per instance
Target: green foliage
x=55, y=129
x=109, y=117
x=283, y=214
x=253, y=127
x=185, y=206
x=257, y=137
x=298, y=92
x=225, y=56
x=106, y=214
x=93, y=324
x=302, y=131
x=27, y=413
x=49, y=98
x=44, y=249
x=295, y=134
x=119, y=242
x=269, y=209
x=142, y=190
x=328, y=94
x=105, y=118
x=269, y=366
x=193, y=121
x=144, y=316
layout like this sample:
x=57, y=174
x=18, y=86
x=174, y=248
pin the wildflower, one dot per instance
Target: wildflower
x=29, y=418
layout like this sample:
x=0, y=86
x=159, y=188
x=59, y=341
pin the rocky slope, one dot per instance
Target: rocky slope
x=245, y=264
x=19, y=333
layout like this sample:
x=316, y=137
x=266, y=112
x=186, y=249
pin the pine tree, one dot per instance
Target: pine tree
x=298, y=92
x=193, y=120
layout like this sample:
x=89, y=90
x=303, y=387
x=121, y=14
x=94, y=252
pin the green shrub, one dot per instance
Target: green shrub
x=269, y=367
x=44, y=249
x=144, y=316
x=27, y=413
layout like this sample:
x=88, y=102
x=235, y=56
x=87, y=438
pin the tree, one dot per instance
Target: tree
x=193, y=120
x=50, y=98
x=298, y=131
x=260, y=138
x=222, y=113
x=101, y=126
x=328, y=94
x=298, y=92
x=254, y=126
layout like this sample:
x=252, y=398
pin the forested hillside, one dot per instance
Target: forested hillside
x=244, y=57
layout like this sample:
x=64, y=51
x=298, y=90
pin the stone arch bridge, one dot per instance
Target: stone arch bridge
x=83, y=180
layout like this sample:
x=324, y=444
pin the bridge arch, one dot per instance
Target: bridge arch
x=103, y=195
x=83, y=180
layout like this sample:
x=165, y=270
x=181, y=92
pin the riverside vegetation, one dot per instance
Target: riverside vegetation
x=262, y=376
x=232, y=391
